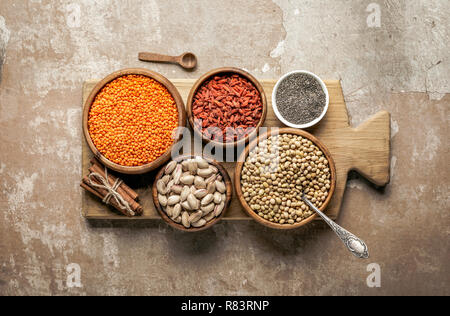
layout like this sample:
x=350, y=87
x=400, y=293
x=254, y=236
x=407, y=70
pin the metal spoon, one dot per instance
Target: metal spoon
x=356, y=245
x=186, y=60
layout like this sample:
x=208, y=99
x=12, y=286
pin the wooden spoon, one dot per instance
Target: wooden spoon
x=186, y=60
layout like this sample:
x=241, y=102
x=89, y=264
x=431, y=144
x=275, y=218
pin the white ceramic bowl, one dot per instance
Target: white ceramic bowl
x=277, y=112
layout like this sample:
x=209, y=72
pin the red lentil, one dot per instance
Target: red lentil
x=227, y=102
x=132, y=119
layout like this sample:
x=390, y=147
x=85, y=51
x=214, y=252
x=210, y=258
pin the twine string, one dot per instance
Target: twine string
x=112, y=190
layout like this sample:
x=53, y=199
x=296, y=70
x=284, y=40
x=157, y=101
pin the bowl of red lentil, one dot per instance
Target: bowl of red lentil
x=227, y=106
x=130, y=120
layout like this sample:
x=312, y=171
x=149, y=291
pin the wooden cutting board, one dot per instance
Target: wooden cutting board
x=365, y=149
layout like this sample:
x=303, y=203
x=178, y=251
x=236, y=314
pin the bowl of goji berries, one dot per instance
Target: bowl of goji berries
x=130, y=120
x=227, y=106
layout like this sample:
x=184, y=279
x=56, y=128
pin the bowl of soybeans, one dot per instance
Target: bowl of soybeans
x=130, y=120
x=276, y=169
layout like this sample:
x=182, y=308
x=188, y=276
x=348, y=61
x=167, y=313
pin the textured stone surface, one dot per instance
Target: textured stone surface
x=48, y=49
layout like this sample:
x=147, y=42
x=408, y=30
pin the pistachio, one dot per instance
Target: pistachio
x=218, y=209
x=199, y=182
x=166, y=179
x=208, y=208
x=201, y=163
x=177, y=174
x=161, y=187
x=199, y=223
x=214, y=169
x=185, y=220
x=207, y=199
x=192, y=167
x=217, y=197
x=193, y=202
x=194, y=217
x=185, y=193
x=209, y=216
x=170, y=167
x=211, y=188
x=172, y=200
x=169, y=211
x=186, y=173
x=220, y=186
x=200, y=194
x=177, y=189
x=176, y=211
x=205, y=173
x=187, y=180
x=185, y=164
x=185, y=205
x=162, y=200
x=211, y=179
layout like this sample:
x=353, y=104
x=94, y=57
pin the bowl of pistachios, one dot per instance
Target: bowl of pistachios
x=192, y=193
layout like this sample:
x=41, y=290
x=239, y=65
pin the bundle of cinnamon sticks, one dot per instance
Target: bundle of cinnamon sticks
x=96, y=187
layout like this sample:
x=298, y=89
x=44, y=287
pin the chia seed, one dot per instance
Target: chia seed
x=300, y=98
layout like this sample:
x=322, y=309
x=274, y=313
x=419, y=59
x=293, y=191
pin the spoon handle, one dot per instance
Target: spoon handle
x=157, y=58
x=356, y=245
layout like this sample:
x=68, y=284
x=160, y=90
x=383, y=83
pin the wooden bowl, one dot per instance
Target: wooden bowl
x=226, y=179
x=181, y=120
x=221, y=71
x=240, y=165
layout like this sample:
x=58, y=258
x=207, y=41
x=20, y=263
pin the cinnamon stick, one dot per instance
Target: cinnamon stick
x=136, y=207
x=84, y=184
x=111, y=180
x=91, y=190
x=130, y=192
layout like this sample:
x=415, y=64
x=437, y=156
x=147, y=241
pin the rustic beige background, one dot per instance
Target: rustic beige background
x=48, y=48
